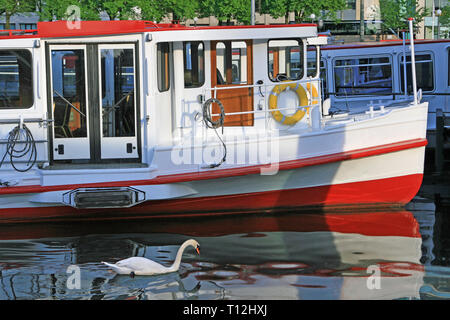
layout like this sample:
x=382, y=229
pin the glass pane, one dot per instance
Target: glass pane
x=163, y=66
x=285, y=60
x=194, y=64
x=363, y=76
x=69, y=94
x=16, y=83
x=231, y=62
x=118, y=96
x=221, y=63
x=424, y=73
x=239, y=62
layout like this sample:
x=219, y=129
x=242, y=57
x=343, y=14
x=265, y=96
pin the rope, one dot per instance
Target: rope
x=207, y=119
x=209, y=123
x=15, y=152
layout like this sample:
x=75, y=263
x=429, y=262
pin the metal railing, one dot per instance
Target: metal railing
x=29, y=120
x=265, y=94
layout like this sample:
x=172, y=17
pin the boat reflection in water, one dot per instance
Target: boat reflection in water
x=289, y=256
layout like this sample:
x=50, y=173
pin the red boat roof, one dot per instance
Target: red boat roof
x=57, y=29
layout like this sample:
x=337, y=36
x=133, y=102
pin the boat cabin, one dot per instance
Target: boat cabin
x=113, y=91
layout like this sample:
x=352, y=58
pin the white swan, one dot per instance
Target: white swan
x=144, y=267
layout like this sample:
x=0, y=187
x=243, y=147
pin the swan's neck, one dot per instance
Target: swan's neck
x=176, y=264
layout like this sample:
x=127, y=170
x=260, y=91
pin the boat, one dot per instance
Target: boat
x=108, y=120
x=355, y=74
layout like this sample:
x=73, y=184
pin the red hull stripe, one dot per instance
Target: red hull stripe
x=368, y=194
x=232, y=172
x=383, y=223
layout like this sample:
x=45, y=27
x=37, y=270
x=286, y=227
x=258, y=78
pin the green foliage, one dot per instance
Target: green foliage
x=10, y=7
x=395, y=14
x=156, y=10
x=181, y=9
x=444, y=19
x=324, y=9
x=152, y=10
x=59, y=9
x=226, y=10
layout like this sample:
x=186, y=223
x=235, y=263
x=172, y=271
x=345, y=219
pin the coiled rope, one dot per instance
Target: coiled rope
x=15, y=152
x=209, y=123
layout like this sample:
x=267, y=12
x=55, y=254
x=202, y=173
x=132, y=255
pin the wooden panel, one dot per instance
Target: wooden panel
x=237, y=99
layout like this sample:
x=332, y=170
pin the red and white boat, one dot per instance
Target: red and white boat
x=130, y=119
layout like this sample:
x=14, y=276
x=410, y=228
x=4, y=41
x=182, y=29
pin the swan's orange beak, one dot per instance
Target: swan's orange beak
x=198, y=250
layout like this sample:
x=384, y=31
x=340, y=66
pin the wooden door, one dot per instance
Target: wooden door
x=231, y=66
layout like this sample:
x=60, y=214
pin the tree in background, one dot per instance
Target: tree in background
x=324, y=9
x=395, y=14
x=58, y=9
x=444, y=20
x=226, y=10
x=152, y=10
x=11, y=7
x=181, y=10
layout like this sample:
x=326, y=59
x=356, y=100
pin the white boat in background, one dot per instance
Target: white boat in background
x=130, y=119
x=373, y=72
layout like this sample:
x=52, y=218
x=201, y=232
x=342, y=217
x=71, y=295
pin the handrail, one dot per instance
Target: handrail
x=272, y=84
x=4, y=141
x=18, y=32
x=237, y=86
x=69, y=103
x=29, y=120
x=268, y=110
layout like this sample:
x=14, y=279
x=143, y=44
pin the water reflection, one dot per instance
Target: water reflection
x=289, y=256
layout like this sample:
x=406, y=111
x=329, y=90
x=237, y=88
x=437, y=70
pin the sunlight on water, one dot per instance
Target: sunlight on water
x=372, y=255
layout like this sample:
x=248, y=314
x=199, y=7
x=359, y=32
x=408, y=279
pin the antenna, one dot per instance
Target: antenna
x=253, y=12
x=413, y=59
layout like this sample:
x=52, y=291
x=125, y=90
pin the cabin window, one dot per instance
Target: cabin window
x=163, y=50
x=16, y=81
x=194, y=64
x=231, y=62
x=69, y=93
x=424, y=73
x=363, y=76
x=118, y=87
x=285, y=60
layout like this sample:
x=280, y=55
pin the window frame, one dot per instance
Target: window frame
x=420, y=53
x=303, y=59
x=351, y=95
x=227, y=73
x=167, y=70
x=31, y=76
x=200, y=84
